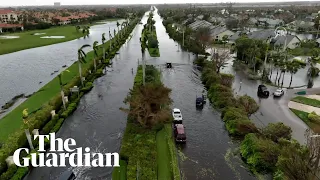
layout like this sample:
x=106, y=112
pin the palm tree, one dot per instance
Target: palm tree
x=25, y=115
x=118, y=24
x=61, y=89
x=110, y=40
x=104, y=49
x=82, y=59
x=292, y=68
x=95, y=54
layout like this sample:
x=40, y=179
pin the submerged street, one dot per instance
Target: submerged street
x=99, y=124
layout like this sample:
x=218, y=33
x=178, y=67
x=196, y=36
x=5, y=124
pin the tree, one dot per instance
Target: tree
x=145, y=104
x=232, y=23
x=301, y=161
x=275, y=131
x=225, y=38
x=25, y=116
x=203, y=37
x=61, y=89
x=248, y=104
x=292, y=68
x=95, y=54
x=221, y=59
x=103, y=39
x=82, y=59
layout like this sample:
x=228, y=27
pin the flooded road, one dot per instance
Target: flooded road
x=99, y=124
x=21, y=72
x=208, y=151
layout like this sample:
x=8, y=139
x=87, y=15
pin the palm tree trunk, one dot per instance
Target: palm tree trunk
x=290, y=80
x=80, y=72
x=62, y=97
x=95, y=63
x=282, y=79
x=29, y=138
x=275, y=80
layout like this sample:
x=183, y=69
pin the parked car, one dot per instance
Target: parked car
x=67, y=175
x=177, y=116
x=179, y=134
x=278, y=93
x=199, y=102
x=263, y=91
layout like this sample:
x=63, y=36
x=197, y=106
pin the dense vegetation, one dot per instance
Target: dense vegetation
x=40, y=111
x=149, y=37
x=147, y=145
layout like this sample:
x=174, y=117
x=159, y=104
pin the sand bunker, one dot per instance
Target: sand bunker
x=9, y=37
x=37, y=34
x=53, y=37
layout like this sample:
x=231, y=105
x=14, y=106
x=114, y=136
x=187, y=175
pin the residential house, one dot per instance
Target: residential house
x=271, y=23
x=306, y=25
x=216, y=20
x=218, y=32
x=8, y=16
x=199, y=24
x=232, y=39
x=291, y=41
x=4, y=27
x=200, y=17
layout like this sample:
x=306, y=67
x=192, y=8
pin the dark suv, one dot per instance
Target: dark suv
x=263, y=91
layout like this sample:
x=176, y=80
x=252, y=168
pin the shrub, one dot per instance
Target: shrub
x=70, y=109
x=226, y=79
x=152, y=42
x=233, y=113
x=313, y=117
x=21, y=172
x=87, y=88
x=47, y=128
x=9, y=173
x=260, y=153
x=240, y=127
x=277, y=131
x=249, y=104
x=232, y=109
x=57, y=125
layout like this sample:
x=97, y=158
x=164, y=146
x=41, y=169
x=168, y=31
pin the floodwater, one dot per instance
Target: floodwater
x=99, y=124
x=22, y=71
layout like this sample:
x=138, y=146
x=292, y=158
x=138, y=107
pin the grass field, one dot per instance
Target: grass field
x=307, y=101
x=163, y=156
x=120, y=173
x=13, y=120
x=27, y=40
x=304, y=117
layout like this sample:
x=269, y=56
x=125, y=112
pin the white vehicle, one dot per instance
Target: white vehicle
x=176, y=114
x=278, y=93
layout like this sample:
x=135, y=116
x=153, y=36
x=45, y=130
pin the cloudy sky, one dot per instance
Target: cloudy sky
x=85, y=2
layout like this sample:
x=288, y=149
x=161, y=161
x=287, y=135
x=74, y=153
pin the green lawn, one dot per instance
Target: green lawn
x=163, y=156
x=307, y=101
x=120, y=173
x=27, y=40
x=304, y=117
x=13, y=120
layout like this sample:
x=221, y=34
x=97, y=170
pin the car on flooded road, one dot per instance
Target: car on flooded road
x=179, y=133
x=278, y=93
x=263, y=91
x=177, y=116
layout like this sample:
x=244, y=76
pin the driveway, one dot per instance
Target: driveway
x=273, y=110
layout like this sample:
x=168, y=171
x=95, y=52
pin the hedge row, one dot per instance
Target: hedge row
x=42, y=120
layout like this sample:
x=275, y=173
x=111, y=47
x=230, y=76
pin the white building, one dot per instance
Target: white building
x=7, y=15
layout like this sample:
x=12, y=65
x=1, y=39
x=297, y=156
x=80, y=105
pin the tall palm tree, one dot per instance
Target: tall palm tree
x=95, y=54
x=61, y=88
x=25, y=115
x=104, y=49
x=110, y=36
x=292, y=68
x=118, y=24
x=82, y=59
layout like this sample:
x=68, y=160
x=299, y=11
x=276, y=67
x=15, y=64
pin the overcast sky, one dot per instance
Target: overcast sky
x=85, y=2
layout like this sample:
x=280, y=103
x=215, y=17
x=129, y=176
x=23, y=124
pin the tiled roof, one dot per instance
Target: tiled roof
x=10, y=25
x=5, y=11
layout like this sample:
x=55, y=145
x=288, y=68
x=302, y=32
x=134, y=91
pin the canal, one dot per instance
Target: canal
x=22, y=71
x=99, y=124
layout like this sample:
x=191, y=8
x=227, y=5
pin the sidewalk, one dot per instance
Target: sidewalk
x=303, y=107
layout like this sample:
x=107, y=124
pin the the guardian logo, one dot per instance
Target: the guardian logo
x=60, y=151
